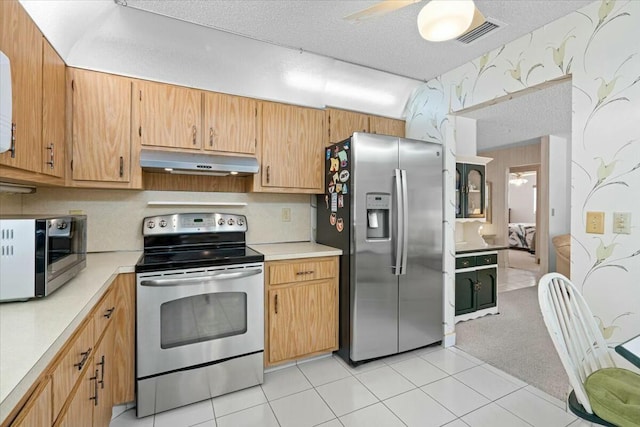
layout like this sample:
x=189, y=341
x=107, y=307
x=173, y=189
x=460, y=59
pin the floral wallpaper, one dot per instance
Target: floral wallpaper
x=597, y=48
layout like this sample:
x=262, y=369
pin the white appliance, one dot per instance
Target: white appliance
x=5, y=103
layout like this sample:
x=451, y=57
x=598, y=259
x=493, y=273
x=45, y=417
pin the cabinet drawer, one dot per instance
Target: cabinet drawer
x=487, y=259
x=465, y=262
x=301, y=271
x=104, y=312
x=74, y=357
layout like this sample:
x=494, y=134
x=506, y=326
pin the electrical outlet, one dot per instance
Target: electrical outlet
x=622, y=222
x=595, y=222
x=286, y=214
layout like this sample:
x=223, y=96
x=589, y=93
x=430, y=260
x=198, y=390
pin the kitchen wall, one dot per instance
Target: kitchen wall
x=593, y=46
x=115, y=216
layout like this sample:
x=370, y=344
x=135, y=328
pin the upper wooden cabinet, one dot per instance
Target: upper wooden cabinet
x=230, y=123
x=53, y=112
x=292, y=149
x=168, y=115
x=101, y=136
x=21, y=41
x=386, y=126
x=342, y=124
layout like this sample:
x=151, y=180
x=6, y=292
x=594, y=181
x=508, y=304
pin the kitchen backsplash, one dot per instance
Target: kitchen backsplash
x=115, y=216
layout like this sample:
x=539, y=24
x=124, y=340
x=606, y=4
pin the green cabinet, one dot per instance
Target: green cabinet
x=470, y=191
x=476, y=283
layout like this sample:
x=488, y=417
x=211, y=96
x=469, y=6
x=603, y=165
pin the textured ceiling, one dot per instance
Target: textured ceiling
x=390, y=43
x=518, y=120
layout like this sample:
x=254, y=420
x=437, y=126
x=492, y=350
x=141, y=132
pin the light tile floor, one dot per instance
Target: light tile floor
x=426, y=387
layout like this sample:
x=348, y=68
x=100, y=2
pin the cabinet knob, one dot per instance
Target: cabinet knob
x=121, y=166
x=268, y=173
x=276, y=303
x=13, y=141
x=465, y=263
x=211, y=136
x=194, y=129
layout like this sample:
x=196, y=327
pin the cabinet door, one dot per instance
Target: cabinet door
x=302, y=320
x=474, y=191
x=170, y=116
x=230, y=123
x=53, y=111
x=292, y=147
x=79, y=411
x=487, y=288
x=37, y=412
x=124, y=351
x=460, y=190
x=101, y=127
x=465, y=292
x=385, y=126
x=103, y=364
x=342, y=124
x=21, y=41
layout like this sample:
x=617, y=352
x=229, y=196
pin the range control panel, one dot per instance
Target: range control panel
x=193, y=223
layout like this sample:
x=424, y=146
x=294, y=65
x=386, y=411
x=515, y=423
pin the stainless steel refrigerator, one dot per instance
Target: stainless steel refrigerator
x=383, y=207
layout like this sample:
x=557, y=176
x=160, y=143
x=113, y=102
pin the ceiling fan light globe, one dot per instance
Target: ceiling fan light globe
x=441, y=20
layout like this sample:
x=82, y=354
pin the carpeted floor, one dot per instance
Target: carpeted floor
x=516, y=341
x=523, y=260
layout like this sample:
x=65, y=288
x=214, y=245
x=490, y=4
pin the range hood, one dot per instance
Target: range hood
x=197, y=163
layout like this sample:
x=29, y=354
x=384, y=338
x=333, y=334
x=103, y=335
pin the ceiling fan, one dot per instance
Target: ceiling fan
x=439, y=20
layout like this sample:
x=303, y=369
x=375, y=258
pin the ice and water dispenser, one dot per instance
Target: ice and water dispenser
x=378, y=212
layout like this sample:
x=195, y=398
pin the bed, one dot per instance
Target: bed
x=522, y=236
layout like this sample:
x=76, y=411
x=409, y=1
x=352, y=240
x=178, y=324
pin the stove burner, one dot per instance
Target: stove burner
x=194, y=240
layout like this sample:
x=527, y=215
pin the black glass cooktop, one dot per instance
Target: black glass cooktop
x=191, y=258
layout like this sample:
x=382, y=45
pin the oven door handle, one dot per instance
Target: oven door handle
x=200, y=279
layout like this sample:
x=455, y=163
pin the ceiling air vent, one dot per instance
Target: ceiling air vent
x=473, y=35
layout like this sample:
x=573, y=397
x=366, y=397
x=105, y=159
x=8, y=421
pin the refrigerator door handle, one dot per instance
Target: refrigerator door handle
x=397, y=267
x=405, y=223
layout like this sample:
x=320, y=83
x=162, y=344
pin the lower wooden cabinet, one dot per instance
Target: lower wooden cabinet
x=301, y=314
x=38, y=410
x=476, y=283
x=93, y=371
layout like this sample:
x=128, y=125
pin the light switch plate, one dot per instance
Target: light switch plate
x=622, y=222
x=595, y=222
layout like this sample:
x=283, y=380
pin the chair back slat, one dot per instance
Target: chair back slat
x=574, y=332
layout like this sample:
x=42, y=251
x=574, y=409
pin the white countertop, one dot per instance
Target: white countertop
x=462, y=248
x=32, y=332
x=280, y=251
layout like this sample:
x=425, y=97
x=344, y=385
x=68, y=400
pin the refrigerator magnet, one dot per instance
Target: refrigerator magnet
x=332, y=219
x=328, y=153
x=334, y=202
x=343, y=164
x=336, y=178
x=344, y=189
x=335, y=165
x=332, y=187
x=344, y=175
x=326, y=200
x=340, y=201
x=342, y=155
x=336, y=149
x=340, y=225
x=338, y=187
x=346, y=145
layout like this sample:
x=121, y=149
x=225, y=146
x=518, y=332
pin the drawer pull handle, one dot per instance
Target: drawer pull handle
x=477, y=286
x=487, y=260
x=194, y=130
x=85, y=356
x=95, y=389
x=301, y=273
x=109, y=312
x=465, y=263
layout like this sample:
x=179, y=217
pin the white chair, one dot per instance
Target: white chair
x=576, y=337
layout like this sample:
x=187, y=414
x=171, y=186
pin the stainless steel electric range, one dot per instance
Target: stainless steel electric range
x=199, y=310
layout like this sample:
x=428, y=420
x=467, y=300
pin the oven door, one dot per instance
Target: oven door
x=187, y=318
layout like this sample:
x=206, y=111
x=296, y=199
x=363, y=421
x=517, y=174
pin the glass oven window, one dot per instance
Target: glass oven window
x=204, y=317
